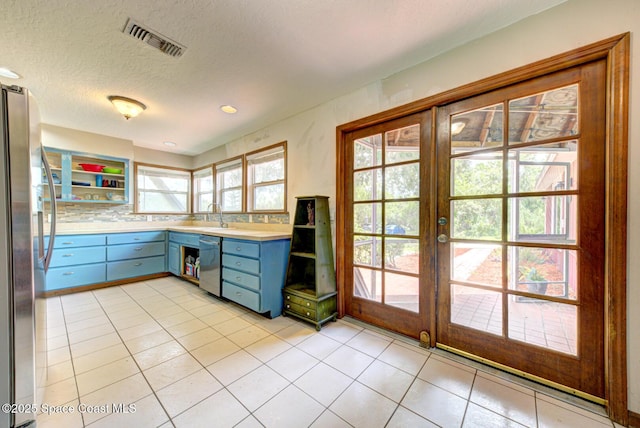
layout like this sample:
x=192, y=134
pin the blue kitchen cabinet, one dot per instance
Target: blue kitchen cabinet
x=173, y=258
x=253, y=273
x=73, y=183
x=76, y=260
x=130, y=255
x=182, y=245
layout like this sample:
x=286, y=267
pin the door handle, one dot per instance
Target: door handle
x=443, y=239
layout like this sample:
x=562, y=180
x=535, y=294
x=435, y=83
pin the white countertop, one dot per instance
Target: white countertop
x=230, y=232
x=224, y=232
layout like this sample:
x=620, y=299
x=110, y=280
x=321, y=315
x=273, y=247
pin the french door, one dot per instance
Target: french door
x=387, y=246
x=521, y=214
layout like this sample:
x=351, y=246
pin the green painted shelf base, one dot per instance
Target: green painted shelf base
x=301, y=303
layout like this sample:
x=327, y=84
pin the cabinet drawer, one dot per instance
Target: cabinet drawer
x=241, y=295
x=72, y=241
x=241, y=278
x=130, y=238
x=242, y=248
x=73, y=276
x=300, y=310
x=77, y=256
x=241, y=263
x=309, y=304
x=131, y=251
x=188, y=239
x=133, y=268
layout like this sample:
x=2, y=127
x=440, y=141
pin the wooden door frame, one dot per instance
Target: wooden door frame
x=616, y=51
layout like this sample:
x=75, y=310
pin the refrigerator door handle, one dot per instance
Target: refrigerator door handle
x=52, y=230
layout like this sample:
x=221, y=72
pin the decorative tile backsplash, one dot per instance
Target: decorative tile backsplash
x=110, y=213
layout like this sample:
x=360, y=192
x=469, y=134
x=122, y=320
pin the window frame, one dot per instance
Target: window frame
x=272, y=150
x=138, y=165
x=195, y=193
x=226, y=165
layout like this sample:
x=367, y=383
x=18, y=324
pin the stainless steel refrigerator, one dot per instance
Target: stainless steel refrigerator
x=23, y=258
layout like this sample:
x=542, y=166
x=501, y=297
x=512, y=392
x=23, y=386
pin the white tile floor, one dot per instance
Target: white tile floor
x=182, y=358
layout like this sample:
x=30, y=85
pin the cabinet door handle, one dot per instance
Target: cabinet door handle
x=238, y=249
x=308, y=314
x=288, y=306
x=68, y=243
x=308, y=304
x=67, y=255
x=238, y=278
x=238, y=293
x=288, y=298
x=238, y=264
x=68, y=273
x=138, y=249
x=136, y=239
x=138, y=264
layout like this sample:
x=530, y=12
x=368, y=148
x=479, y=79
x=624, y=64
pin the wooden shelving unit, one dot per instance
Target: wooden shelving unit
x=310, y=285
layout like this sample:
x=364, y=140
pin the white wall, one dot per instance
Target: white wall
x=311, y=134
x=81, y=141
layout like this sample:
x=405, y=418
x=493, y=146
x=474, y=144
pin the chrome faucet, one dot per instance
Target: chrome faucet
x=219, y=207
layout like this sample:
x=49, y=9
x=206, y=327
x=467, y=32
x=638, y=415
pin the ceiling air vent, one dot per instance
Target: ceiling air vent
x=153, y=38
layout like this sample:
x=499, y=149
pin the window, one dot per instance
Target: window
x=161, y=189
x=229, y=185
x=202, y=189
x=266, y=185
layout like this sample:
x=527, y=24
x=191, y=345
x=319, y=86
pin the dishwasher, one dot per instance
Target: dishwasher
x=210, y=264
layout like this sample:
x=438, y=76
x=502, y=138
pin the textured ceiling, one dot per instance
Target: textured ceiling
x=269, y=58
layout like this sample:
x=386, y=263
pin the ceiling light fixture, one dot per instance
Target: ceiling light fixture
x=126, y=106
x=9, y=74
x=228, y=109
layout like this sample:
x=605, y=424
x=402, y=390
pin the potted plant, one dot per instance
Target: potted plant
x=536, y=283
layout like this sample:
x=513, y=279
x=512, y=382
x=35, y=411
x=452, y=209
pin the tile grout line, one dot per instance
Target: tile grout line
x=131, y=355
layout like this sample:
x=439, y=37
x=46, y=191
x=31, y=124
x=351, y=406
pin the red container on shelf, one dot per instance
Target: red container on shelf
x=91, y=167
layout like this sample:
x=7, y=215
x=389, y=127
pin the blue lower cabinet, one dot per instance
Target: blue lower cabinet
x=135, y=251
x=173, y=258
x=136, y=237
x=253, y=273
x=247, y=298
x=130, y=255
x=75, y=276
x=77, y=256
x=136, y=267
x=76, y=260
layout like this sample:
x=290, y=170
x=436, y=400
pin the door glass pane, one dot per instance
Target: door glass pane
x=477, y=129
x=476, y=219
x=477, y=263
x=367, y=283
x=367, y=218
x=548, y=324
x=543, y=271
x=367, y=251
x=549, y=219
x=476, y=175
x=367, y=185
x=367, y=151
x=402, y=254
x=476, y=308
x=544, y=168
x=402, y=218
x=403, y=181
x=401, y=291
x=403, y=144
x=542, y=116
